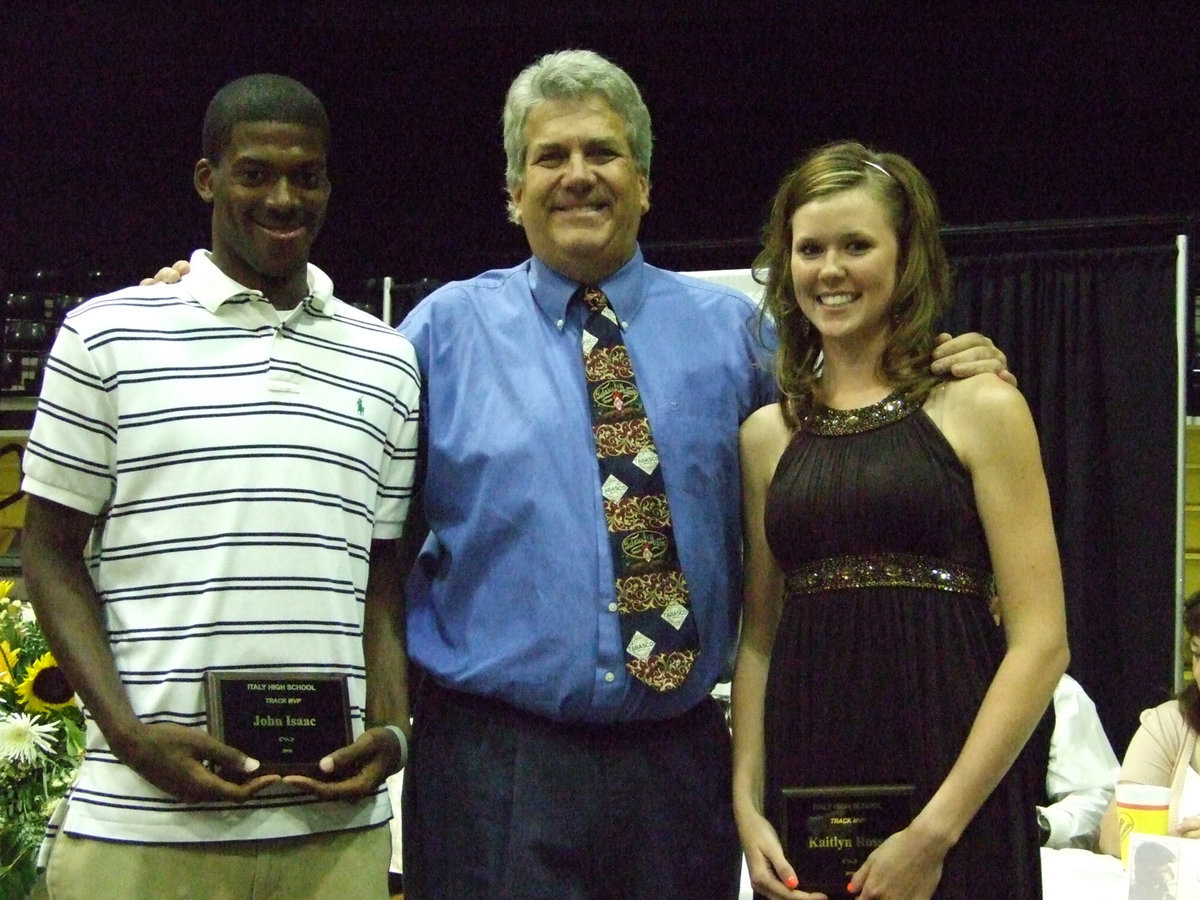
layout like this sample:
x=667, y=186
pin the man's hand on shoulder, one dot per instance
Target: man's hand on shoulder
x=970, y=354
x=168, y=274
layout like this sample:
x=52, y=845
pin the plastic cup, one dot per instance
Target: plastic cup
x=1141, y=808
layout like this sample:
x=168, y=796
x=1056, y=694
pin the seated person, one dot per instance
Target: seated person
x=1081, y=774
x=1163, y=750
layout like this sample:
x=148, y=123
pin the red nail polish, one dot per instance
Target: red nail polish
x=851, y=889
x=793, y=882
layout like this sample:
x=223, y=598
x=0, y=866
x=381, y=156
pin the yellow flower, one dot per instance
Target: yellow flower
x=8, y=661
x=45, y=686
x=5, y=586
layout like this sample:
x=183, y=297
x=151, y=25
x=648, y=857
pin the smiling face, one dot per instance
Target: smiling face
x=581, y=198
x=843, y=265
x=269, y=189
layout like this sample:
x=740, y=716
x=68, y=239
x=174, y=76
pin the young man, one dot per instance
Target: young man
x=218, y=474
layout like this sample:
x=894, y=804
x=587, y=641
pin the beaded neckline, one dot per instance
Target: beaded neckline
x=836, y=422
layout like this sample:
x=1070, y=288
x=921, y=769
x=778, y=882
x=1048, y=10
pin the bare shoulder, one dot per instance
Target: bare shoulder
x=764, y=436
x=765, y=427
x=982, y=401
x=981, y=416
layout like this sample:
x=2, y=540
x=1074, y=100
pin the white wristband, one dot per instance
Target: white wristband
x=400, y=736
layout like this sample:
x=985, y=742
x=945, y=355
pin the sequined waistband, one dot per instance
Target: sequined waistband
x=834, y=573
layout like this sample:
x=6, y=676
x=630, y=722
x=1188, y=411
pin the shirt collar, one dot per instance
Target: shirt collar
x=211, y=287
x=552, y=292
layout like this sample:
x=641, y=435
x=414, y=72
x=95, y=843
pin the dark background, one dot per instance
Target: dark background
x=1069, y=115
x=1062, y=112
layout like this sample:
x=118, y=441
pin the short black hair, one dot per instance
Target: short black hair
x=259, y=98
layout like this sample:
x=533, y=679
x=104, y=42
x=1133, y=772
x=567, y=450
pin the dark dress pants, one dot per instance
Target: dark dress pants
x=505, y=805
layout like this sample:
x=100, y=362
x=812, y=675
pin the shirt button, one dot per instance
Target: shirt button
x=609, y=676
x=612, y=607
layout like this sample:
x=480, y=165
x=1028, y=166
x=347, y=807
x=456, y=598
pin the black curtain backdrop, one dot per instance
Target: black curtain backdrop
x=1090, y=333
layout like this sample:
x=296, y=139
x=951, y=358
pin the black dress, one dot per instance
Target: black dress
x=886, y=644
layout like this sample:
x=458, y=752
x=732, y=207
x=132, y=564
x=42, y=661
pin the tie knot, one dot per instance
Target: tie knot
x=593, y=298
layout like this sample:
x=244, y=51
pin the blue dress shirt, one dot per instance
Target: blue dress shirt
x=512, y=596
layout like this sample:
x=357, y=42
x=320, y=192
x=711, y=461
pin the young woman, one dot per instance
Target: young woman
x=884, y=507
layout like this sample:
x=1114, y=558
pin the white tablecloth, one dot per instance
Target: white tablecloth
x=1080, y=874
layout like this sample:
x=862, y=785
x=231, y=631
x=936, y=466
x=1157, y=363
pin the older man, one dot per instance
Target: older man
x=576, y=597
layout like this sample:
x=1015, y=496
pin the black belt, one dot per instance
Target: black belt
x=430, y=695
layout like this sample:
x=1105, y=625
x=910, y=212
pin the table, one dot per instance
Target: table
x=1074, y=874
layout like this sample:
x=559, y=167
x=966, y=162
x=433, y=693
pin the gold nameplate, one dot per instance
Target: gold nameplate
x=828, y=832
x=287, y=721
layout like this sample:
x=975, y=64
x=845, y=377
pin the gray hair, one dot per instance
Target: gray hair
x=572, y=75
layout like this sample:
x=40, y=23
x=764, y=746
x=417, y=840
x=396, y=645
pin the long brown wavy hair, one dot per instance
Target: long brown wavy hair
x=1189, y=697
x=922, y=278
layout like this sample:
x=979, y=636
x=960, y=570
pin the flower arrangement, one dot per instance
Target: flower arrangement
x=41, y=741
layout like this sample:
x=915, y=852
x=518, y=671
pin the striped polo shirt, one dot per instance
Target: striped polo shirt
x=239, y=462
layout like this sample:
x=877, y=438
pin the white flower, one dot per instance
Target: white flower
x=21, y=738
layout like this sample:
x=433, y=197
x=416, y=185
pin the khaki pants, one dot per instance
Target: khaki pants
x=338, y=865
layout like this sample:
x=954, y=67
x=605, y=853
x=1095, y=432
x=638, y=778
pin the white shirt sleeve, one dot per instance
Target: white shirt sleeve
x=1082, y=771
